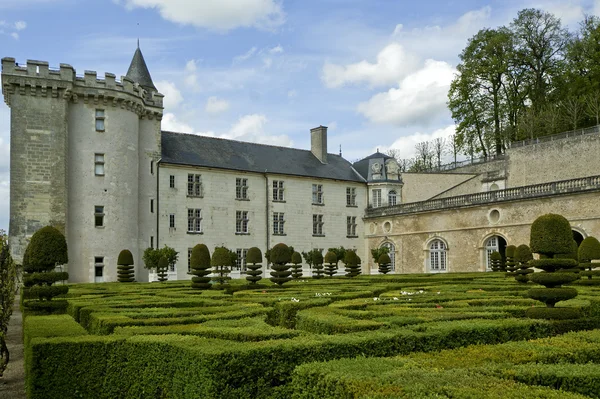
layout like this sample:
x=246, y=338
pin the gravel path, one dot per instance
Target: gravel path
x=12, y=384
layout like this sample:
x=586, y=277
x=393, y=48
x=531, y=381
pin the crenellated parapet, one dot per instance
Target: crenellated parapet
x=38, y=79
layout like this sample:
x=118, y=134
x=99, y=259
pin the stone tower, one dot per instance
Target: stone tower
x=83, y=159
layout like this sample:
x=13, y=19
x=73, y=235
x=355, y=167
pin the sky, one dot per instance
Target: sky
x=376, y=72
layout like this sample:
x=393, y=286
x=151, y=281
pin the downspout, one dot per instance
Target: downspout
x=157, y=200
x=267, y=210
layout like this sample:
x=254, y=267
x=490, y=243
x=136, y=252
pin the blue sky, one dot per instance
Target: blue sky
x=376, y=72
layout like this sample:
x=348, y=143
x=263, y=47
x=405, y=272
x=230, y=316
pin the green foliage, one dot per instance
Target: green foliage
x=125, y=272
x=296, y=265
x=125, y=258
x=280, y=254
x=8, y=280
x=162, y=268
x=254, y=265
x=523, y=255
x=339, y=253
x=589, y=250
x=511, y=263
x=377, y=252
x=571, y=254
x=151, y=256
x=552, y=280
x=550, y=296
x=330, y=263
x=551, y=234
x=352, y=262
x=385, y=263
x=554, y=313
x=496, y=261
x=47, y=249
x=311, y=256
x=254, y=255
x=222, y=260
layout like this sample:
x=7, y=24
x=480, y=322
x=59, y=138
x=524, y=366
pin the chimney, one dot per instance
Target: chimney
x=318, y=143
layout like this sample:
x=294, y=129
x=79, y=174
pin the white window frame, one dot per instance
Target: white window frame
x=491, y=245
x=317, y=194
x=241, y=188
x=392, y=197
x=391, y=253
x=351, y=226
x=171, y=181
x=98, y=265
x=99, y=164
x=318, y=225
x=240, y=262
x=194, y=185
x=194, y=220
x=376, y=197
x=278, y=223
x=350, y=196
x=241, y=222
x=99, y=121
x=99, y=215
x=278, y=191
x=437, y=256
x=171, y=220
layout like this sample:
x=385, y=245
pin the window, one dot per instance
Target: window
x=392, y=198
x=172, y=221
x=318, y=225
x=99, y=120
x=99, y=216
x=98, y=269
x=278, y=222
x=194, y=185
x=151, y=241
x=351, y=226
x=190, y=260
x=350, y=196
x=241, y=222
x=437, y=256
x=391, y=253
x=376, y=198
x=194, y=220
x=151, y=206
x=99, y=164
x=241, y=188
x=490, y=246
x=151, y=167
x=278, y=190
x=240, y=262
x=317, y=194
x=171, y=181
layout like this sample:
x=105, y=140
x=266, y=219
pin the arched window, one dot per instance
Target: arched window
x=438, y=261
x=494, y=244
x=391, y=253
x=392, y=198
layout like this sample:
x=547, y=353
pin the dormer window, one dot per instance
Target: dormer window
x=392, y=198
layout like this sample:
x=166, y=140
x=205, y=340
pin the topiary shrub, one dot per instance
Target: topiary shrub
x=125, y=272
x=523, y=256
x=511, y=264
x=317, y=259
x=200, y=265
x=550, y=236
x=297, y=265
x=254, y=265
x=496, y=261
x=280, y=256
x=588, y=251
x=330, y=263
x=46, y=250
x=162, y=268
x=352, y=262
x=221, y=262
x=385, y=263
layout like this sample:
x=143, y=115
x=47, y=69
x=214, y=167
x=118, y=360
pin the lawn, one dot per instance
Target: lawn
x=398, y=336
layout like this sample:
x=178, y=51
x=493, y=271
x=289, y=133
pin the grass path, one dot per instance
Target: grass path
x=12, y=384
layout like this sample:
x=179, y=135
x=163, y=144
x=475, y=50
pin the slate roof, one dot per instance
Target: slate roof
x=194, y=150
x=362, y=166
x=138, y=71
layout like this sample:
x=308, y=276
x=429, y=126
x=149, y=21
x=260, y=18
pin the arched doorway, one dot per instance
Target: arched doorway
x=392, y=253
x=494, y=244
x=578, y=237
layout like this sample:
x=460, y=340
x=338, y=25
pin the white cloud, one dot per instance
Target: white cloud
x=292, y=93
x=405, y=145
x=215, y=105
x=172, y=124
x=570, y=12
x=393, y=63
x=419, y=98
x=277, y=49
x=172, y=94
x=15, y=35
x=220, y=15
x=191, y=79
x=20, y=25
x=252, y=128
x=245, y=56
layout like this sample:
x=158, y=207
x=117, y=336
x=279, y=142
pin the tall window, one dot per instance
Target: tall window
x=99, y=216
x=194, y=220
x=172, y=221
x=190, y=260
x=151, y=206
x=437, y=256
x=151, y=166
x=194, y=185
x=351, y=226
x=171, y=181
x=99, y=120
x=241, y=188
x=376, y=198
x=99, y=164
x=98, y=269
x=317, y=193
x=241, y=222
x=392, y=198
x=350, y=196
x=318, y=225
x=490, y=246
x=278, y=190
x=391, y=253
x=240, y=262
x=151, y=241
x=278, y=222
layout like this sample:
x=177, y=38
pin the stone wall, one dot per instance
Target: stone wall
x=423, y=186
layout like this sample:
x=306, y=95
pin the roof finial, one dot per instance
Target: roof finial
x=378, y=150
x=138, y=42
x=340, y=150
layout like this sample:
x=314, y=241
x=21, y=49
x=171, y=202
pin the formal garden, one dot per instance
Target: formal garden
x=504, y=334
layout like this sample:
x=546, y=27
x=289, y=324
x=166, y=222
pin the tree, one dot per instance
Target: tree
x=496, y=261
x=589, y=250
x=152, y=256
x=352, y=262
x=330, y=263
x=439, y=148
x=455, y=147
x=317, y=259
x=377, y=252
x=311, y=256
x=385, y=264
x=523, y=256
x=339, y=254
x=572, y=110
x=47, y=250
x=254, y=265
x=297, y=265
x=8, y=279
x=222, y=261
x=125, y=267
x=511, y=264
x=280, y=256
x=424, y=155
x=200, y=265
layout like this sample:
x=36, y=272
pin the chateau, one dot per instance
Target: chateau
x=88, y=156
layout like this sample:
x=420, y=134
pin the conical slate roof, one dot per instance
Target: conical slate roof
x=138, y=71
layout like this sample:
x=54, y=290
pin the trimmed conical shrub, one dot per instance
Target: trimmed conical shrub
x=352, y=262
x=125, y=267
x=254, y=265
x=280, y=257
x=330, y=263
x=511, y=264
x=496, y=261
x=523, y=256
x=221, y=263
x=296, y=265
x=385, y=264
x=589, y=250
x=551, y=235
x=317, y=265
x=200, y=265
x=163, y=267
x=46, y=250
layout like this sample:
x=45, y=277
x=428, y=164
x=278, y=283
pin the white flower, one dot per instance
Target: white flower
x=295, y=300
x=395, y=298
x=439, y=293
x=375, y=299
x=410, y=299
x=420, y=291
